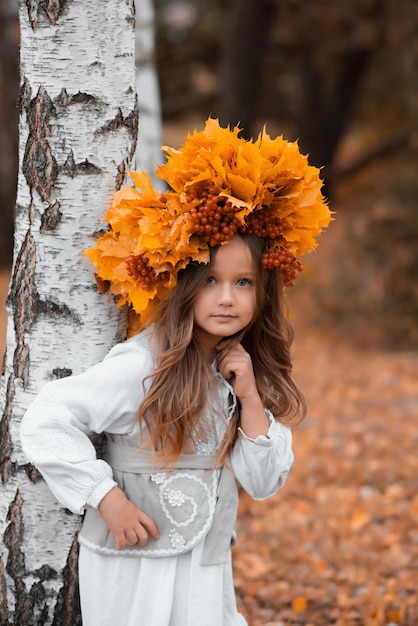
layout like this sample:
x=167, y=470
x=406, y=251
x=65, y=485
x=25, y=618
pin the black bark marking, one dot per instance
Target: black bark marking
x=86, y=101
x=23, y=290
x=51, y=217
x=69, y=165
x=51, y=308
x=87, y=168
x=39, y=165
x=24, y=297
x=114, y=124
x=67, y=609
x=6, y=445
x=21, y=363
x=28, y=306
x=3, y=596
x=84, y=167
x=31, y=606
x=45, y=572
x=61, y=372
x=84, y=98
x=131, y=18
x=130, y=122
x=15, y=565
x=31, y=472
x=52, y=8
x=62, y=99
x=25, y=95
x=120, y=178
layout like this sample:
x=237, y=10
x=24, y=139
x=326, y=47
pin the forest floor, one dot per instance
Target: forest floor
x=339, y=544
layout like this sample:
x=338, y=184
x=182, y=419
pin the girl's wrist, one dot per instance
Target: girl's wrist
x=110, y=498
x=266, y=437
x=254, y=421
x=252, y=402
x=100, y=492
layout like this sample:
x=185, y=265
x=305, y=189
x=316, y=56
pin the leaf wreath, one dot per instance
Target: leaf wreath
x=219, y=184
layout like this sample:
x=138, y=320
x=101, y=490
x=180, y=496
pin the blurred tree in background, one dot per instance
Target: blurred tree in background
x=314, y=68
x=342, y=78
x=9, y=85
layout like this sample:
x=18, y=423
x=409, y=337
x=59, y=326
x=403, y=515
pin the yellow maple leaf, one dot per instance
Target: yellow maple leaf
x=299, y=604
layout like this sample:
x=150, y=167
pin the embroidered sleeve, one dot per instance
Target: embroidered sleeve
x=262, y=465
x=100, y=491
x=261, y=438
x=54, y=430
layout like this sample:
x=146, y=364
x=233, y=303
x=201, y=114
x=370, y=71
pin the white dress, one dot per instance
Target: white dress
x=140, y=591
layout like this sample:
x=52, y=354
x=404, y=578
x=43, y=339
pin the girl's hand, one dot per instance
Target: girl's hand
x=236, y=366
x=129, y=525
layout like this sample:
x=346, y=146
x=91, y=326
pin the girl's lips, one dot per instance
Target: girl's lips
x=224, y=317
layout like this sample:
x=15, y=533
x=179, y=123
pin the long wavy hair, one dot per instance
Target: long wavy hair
x=179, y=387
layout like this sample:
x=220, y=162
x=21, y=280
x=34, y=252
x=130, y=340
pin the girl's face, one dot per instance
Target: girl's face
x=226, y=304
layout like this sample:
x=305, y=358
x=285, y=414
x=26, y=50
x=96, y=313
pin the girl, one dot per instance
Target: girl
x=187, y=404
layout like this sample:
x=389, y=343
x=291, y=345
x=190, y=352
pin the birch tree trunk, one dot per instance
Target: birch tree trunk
x=78, y=130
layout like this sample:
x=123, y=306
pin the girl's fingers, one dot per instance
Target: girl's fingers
x=120, y=540
x=133, y=536
x=149, y=524
x=128, y=524
x=141, y=535
x=138, y=535
x=234, y=363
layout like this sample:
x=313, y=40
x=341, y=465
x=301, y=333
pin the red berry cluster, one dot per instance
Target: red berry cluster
x=213, y=216
x=262, y=223
x=139, y=269
x=283, y=259
x=215, y=222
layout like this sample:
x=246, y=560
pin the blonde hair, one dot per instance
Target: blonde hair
x=178, y=393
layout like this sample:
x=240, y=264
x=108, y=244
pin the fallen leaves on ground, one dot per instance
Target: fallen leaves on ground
x=339, y=544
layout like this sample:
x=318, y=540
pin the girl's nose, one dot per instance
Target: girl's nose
x=226, y=296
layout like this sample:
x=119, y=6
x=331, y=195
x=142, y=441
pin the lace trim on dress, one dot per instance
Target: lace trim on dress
x=186, y=509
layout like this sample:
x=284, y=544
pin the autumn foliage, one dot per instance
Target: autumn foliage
x=338, y=546
x=219, y=184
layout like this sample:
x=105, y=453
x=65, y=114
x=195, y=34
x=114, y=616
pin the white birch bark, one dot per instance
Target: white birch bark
x=78, y=130
x=148, y=153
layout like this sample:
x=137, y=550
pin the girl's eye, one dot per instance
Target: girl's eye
x=210, y=280
x=243, y=282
